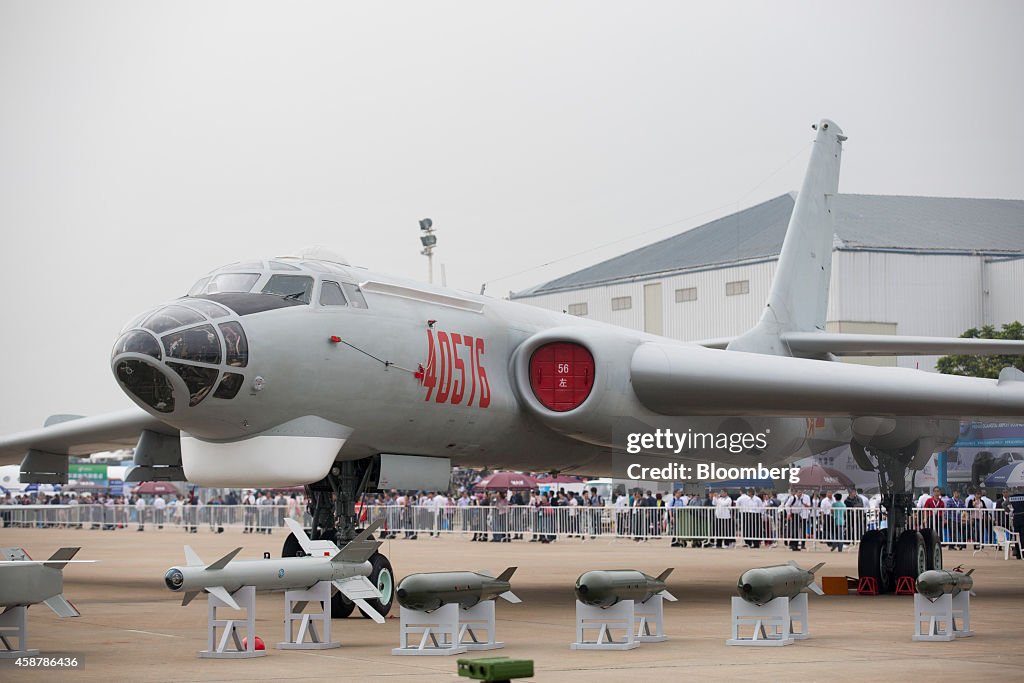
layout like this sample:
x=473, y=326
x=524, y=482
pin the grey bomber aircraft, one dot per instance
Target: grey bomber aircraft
x=306, y=370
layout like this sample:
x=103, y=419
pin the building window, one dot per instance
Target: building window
x=578, y=309
x=622, y=303
x=738, y=287
x=688, y=294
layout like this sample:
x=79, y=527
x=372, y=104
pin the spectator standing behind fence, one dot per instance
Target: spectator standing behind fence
x=857, y=510
x=596, y=504
x=797, y=510
x=956, y=520
x=725, y=535
x=838, y=510
x=140, y=512
x=159, y=506
x=676, y=505
x=826, y=522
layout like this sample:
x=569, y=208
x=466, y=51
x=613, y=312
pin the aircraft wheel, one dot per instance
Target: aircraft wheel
x=911, y=558
x=932, y=548
x=869, y=556
x=383, y=577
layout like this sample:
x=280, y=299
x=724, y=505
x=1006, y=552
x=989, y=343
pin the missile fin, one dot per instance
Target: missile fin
x=61, y=606
x=360, y=548
x=816, y=567
x=222, y=562
x=369, y=611
x=300, y=535
x=668, y=596
x=664, y=575
x=357, y=587
x=192, y=558
x=971, y=571
x=189, y=597
x=222, y=594
x=973, y=594
x=813, y=587
x=507, y=574
x=61, y=557
x=510, y=596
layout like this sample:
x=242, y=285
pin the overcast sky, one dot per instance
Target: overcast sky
x=143, y=143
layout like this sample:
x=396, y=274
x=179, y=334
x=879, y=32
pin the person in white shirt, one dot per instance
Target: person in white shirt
x=826, y=525
x=797, y=510
x=725, y=533
x=744, y=508
x=159, y=504
x=140, y=511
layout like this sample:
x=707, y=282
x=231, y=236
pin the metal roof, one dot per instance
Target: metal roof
x=862, y=222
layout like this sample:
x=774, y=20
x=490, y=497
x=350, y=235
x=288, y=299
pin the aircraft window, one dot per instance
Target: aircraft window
x=198, y=287
x=238, y=346
x=147, y=383
x=137, y=342
x=331, y=295
x=199, y=380
x=210, y=309
x=196, y=343
x=229, y=386
x=244, y=303
x=231, y=282
x=355, y=296
x=297, y=287
x=316, y=267
x=277, y=265
x=169, y=317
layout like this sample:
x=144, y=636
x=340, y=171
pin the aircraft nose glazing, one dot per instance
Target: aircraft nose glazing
x=191, y=348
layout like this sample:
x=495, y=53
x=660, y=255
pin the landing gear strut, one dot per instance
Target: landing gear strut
x=895, y=551
x=332, y=506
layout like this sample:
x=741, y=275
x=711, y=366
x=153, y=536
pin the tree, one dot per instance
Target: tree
x=984, y=366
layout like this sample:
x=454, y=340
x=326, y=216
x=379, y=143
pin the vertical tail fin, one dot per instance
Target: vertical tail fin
x=799, y=296
x=60, y=558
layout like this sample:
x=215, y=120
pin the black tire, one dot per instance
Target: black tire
x=383, y=577
x=340, y=607
x=911, y=558
x=291, y=547
x=869, y=560
x=932, y=549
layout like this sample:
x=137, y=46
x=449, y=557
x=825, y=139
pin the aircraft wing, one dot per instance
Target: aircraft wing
x=82, y=436
x=691, y=380
x=895, y=345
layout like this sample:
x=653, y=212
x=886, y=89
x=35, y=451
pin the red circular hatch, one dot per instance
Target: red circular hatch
x=561, y=375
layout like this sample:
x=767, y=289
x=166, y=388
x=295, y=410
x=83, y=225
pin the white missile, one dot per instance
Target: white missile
x=24, y=581
x=347, y=568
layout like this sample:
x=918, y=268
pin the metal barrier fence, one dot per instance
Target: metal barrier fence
x=687, y=525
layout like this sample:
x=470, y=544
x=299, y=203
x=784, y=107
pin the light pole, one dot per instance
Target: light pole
x=429, y=240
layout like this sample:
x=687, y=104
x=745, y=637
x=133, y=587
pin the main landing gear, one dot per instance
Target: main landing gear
x=887, y=554
x=332, y=502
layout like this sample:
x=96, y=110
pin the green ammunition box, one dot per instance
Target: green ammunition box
x=495, y=668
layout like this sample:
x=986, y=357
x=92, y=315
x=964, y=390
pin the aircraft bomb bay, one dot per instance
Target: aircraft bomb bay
x=129, y=618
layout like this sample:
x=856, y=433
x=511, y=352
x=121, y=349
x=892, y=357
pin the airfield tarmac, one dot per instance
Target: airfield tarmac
x=133, y=628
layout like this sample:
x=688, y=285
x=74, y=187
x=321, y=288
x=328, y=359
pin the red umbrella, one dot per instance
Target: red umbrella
x=820, y=477
x=505, y=481
x=152, y=488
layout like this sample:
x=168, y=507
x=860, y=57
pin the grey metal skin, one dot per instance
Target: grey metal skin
x=24, y=581
x=762, y=585
x=428, y=591
x=346, y=568
x=935, y=583
x=306, y=401
x=606, y=587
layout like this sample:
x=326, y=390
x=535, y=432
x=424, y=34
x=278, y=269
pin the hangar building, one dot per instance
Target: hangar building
x=931, y=266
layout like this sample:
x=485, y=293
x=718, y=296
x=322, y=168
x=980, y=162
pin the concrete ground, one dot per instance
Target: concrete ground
x=133, y=628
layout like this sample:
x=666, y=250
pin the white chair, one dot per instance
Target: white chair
x=1006, y=540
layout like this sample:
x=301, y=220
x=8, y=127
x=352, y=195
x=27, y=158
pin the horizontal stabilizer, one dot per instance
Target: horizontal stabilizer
x=222, y=562
x=369, y=611
x=222, y=594
x=357, y=587
x=189, y=597
x=192, y=558
x=664, y=575
x=507, y=574
x=510, y=597
x=62, y=607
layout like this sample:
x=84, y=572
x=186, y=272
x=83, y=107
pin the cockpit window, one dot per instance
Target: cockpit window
x=199, y=344
x=147, y=383
x=354, y=294
x=208, y=307
x=230, y=282
x=238, y=346
x=296, y=287
x=244, y=303
x=229, y=386
x=331, y=294
x=277, y=265
x=198, y=287
x=199, y=380
x=169, y=317
x=316, y=267
x=137, y=341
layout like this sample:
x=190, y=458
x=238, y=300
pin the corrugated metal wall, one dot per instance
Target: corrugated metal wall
x=1004, y=281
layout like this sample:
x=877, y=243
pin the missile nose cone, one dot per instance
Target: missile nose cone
x=174, y=578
